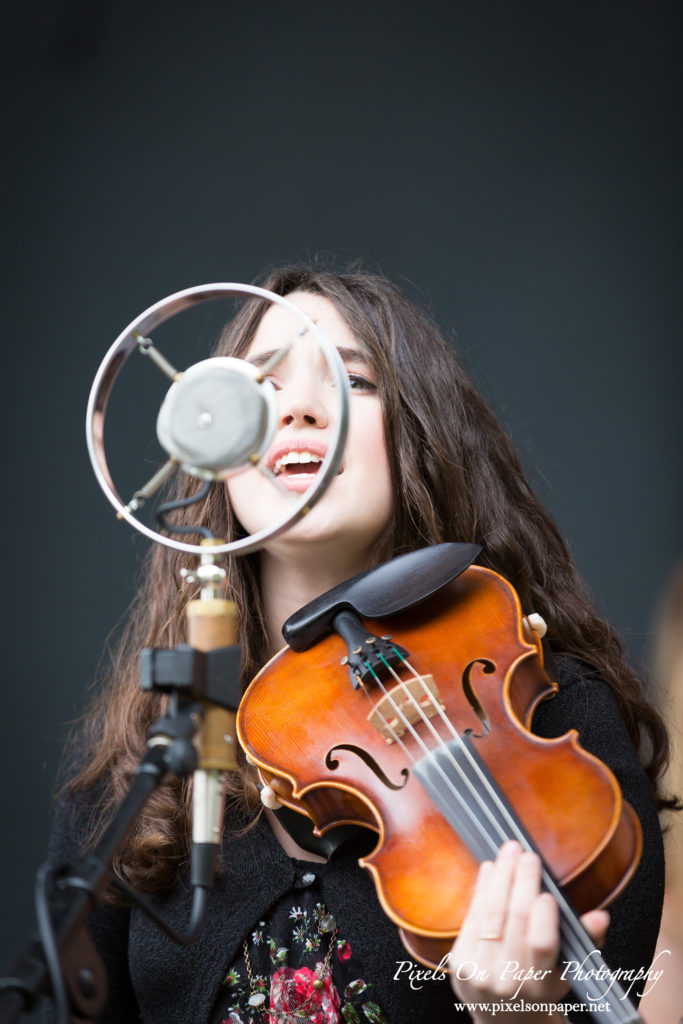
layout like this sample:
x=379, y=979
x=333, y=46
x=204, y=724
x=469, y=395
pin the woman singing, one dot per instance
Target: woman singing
x=294, y=932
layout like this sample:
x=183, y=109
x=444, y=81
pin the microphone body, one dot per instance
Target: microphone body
x=211, y=624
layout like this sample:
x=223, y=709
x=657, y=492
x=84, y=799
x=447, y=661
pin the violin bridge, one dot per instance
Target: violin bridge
x=411, y=700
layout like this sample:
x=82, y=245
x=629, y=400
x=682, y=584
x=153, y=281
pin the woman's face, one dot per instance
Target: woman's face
x=349, y=519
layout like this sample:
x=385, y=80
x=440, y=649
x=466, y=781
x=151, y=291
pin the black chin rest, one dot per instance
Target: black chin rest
x=381, y=591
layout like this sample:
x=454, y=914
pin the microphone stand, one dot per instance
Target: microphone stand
x=203, y=681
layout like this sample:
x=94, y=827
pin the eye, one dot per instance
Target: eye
x=359, y=383
x=274, y=381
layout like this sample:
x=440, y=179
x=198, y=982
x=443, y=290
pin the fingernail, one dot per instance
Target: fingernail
x=509, y=849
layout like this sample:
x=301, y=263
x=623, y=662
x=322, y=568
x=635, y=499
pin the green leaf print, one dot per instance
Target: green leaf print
x=279, y=957
x=355, y=988
x=350, y=1014
x=374, y=1014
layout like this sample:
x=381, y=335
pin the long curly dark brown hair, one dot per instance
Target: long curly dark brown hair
x=456, y=477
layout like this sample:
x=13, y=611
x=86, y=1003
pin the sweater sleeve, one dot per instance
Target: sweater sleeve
x=107, y=924
x=586, y=703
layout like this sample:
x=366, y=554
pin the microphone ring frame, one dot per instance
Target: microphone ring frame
x=127, y=342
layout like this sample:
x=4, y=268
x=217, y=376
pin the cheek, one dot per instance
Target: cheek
x=366, y=436
x=366, y=439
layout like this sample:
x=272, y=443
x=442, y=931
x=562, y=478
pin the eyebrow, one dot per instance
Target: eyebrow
x=345, y=353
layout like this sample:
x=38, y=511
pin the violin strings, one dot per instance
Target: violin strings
x=577, y=934
x=576, y=937
x=408, y=726
x=496, y=834
x=460, y=797
x=481, y=778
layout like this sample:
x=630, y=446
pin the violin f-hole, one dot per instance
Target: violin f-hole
x=332, y=763
x=487, y=667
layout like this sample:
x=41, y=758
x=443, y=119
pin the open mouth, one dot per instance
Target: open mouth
x=297, y=463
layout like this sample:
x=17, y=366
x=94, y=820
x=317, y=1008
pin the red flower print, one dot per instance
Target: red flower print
x=343, y=951
x=292, y=991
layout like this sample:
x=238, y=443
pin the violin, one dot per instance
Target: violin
x=416, y=726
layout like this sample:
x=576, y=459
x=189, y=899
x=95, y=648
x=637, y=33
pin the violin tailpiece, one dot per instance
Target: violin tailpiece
x=369, y=657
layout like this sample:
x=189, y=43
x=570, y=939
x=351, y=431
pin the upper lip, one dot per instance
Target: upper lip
x=294, y=445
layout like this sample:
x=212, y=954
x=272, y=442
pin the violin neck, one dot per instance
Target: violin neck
x=458, y=781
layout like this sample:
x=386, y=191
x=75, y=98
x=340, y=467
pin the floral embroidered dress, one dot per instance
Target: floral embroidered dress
x=297, y=967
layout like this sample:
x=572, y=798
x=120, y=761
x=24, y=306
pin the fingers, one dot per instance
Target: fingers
x=496, y=894
x=488, y=912
x=524, y=890
x=543, y=934
x=469, y=933
x=532, y=915
x=510, y=924
x=596, y=923
x=512, y=932
x=510, y=908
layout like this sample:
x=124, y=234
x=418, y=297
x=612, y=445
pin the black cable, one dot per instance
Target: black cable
x=196, y=918
x=44, y=879
x=44, y=883
x=170, y=506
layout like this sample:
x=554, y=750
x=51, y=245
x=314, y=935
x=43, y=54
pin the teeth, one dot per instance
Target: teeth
x=295, y=458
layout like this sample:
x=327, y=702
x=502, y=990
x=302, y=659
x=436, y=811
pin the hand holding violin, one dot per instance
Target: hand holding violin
x=508, y=947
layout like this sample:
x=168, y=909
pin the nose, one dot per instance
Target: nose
x=302, y=404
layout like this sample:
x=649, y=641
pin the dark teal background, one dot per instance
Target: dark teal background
x=518, y=165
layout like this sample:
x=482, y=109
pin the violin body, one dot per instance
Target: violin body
x=347, y=756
